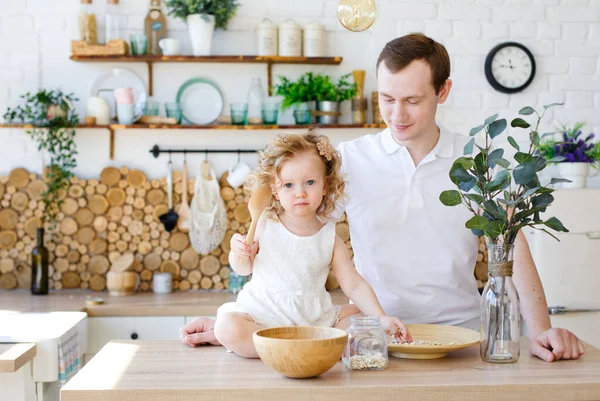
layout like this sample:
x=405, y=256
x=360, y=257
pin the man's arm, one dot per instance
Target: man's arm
x=547, y=343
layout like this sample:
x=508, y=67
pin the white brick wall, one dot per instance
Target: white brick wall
x=564, y=36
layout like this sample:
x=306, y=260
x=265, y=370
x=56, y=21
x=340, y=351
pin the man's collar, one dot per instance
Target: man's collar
x=443, y=148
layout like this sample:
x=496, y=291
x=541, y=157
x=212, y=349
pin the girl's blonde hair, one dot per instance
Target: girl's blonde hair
x=285, y=147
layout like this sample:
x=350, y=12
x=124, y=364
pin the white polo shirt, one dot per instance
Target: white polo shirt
x=415, y=252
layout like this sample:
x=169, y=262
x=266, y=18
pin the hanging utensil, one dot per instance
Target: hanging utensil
x=184, y=209
x=206, y=168
x=169, y=219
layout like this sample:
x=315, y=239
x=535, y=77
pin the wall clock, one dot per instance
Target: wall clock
x=509, y=67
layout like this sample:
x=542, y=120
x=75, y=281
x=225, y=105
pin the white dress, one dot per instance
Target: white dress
x=288, y=280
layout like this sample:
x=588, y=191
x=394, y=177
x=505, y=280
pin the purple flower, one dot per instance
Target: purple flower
x=570, y=157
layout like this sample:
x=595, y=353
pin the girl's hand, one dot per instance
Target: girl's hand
x=240, y=249
x=396, y=328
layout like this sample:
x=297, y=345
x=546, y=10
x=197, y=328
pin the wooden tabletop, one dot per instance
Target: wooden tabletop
x=195, y=303
x=13, y=356
x=169, y=370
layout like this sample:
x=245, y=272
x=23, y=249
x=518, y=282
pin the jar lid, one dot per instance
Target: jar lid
x=314, y=26
x=86, y=1
x=290, y=23
x=267, y=23
x=112, y=1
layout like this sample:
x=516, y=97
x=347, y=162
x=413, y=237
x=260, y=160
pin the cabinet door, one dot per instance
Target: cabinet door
x=104, y=329
x=585, y=325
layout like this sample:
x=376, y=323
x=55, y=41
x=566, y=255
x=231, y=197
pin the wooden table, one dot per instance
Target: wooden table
x=169, y=371
x=13, y=356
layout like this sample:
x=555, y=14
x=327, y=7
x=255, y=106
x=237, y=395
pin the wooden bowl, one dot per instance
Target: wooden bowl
x=122, y=283
x=300, y=352
x=452, y=338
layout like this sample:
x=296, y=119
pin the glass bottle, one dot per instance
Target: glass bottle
x=113, y=21
x=87, y=23
x=500, y=312
x=39, y=266
x=367, y=344
x=256, y=97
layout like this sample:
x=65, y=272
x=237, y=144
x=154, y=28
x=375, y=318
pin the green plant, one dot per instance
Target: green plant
x=223, y=10
x=502, y=199
x=54, y=120
x=572, y=146
x=327, y=91
x=314, y=87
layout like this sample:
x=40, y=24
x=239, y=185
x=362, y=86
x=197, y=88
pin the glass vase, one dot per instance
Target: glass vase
x=500, y=312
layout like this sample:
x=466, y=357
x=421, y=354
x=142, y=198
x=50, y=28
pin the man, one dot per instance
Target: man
x=415, y=252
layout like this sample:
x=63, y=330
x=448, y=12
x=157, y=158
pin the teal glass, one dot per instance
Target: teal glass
x=270, y=113
x=302, y=117
x=138, y=43
x=151, y=108
x=173, y=110
x=239, y=113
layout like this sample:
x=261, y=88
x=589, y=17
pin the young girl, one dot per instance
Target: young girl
x=293, y=249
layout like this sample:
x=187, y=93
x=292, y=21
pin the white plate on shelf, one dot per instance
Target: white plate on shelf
x=116, y=78
x=201, y=101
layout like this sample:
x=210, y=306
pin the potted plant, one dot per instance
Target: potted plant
x=330, y=95
x=300, y=94
x=577, y=154
x=503, y=200
x=202, y=17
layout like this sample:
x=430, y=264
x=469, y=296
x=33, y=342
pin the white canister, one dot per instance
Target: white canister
x=162, y=283
x=267, y=38
x=314, y=40
x=290, y=39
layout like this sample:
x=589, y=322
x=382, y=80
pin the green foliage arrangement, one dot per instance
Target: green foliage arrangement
x=314, y=87
x=223, y=10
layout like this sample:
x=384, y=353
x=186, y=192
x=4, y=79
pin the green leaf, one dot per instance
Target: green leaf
x=555, y=224
x=534, y=137
x=475, y=198
x=514, y=144
x=480, y=165
x=552, y=105
x=497, y=127
x=529, y=192
x=503, y=162
x=520, y=123
x=557, y=159
x=540, y=163
x=526, y=111
x=469, y=147
x=465, y=162
x=495, y=155
x=450, y=198
x=477, y=232
x=558, y=180
x=490, y=119
x=500, y=181
x=494, y=228
x=478, y=222
x=523, y=157
x=462, y=178
x=542, y=200
x=524, y=173
x=492, y=208
x=474, y=131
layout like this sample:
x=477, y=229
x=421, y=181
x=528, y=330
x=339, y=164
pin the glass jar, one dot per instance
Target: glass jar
x=500, y=312
x=367, y=344
x=256, y=98
x=87, y=23
x=113, y=21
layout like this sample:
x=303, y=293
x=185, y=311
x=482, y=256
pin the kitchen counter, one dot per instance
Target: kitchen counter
x=195, y=303
x=13, y=356
x=169, y=370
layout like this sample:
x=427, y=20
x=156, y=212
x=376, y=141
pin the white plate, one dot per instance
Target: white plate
x=117, y=78
x=201, y=101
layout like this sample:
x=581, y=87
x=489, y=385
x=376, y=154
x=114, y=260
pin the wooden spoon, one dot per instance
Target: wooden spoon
x=184, y=209
x=259, y=200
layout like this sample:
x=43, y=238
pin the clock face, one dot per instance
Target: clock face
x=510, y=67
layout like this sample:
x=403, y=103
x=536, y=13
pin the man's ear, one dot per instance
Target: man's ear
x=445, y=91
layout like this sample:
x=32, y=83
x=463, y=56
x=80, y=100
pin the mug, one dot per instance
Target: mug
x=162, y=283
x=125, y=113
x=169, y=46
x=123, y=95
x=122, y=283
x=238, y=174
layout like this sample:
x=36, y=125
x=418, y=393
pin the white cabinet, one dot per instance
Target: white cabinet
x=104, y=329
x=585, y=325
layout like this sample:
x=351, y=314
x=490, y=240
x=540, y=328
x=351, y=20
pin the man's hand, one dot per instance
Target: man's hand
x=199, y=332
x=554, y=344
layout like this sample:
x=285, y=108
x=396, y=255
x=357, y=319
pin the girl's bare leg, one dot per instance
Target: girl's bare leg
x=234, y=331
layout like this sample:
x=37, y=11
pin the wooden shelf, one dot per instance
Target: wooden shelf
x=268, y=60
x=114, y=127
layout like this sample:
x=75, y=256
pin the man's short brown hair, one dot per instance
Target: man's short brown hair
x=400, y=52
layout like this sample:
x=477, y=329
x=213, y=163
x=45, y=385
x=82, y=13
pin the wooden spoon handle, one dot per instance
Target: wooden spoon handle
x=251, y=231
x=184, y=183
